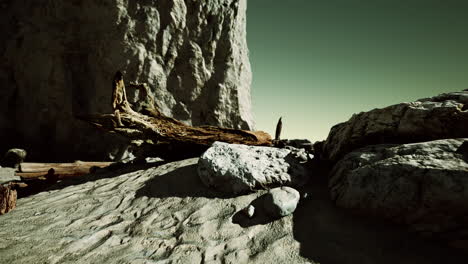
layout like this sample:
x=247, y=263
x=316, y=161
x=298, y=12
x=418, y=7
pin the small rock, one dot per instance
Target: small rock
x=302, y=156
x=153, y=159
x=301, y=143
x=249, y=211
x=281, y=201
x=305, y=195
x=14, y=157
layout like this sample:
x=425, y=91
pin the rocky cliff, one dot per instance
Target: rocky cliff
x=58, y=59
x=439, y=117
x=407, y=163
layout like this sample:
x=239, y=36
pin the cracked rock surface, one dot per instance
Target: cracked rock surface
x=439, y=117
x=58, y=59
x=281, y=201
x=423, y=185
x=235, y=168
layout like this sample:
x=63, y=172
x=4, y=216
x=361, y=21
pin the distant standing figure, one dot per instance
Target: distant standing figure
x=119, y=97
x=279, y=126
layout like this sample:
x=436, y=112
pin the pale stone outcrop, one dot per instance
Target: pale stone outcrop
x=281, y=201
x=58, y=59
x=439, y=117
x=423, y=185
x=234, y=168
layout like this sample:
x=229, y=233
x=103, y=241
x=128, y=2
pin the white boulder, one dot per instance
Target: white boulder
x=281, y=201
x=234, y=168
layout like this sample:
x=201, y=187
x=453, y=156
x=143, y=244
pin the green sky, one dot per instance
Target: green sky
x=316, y=62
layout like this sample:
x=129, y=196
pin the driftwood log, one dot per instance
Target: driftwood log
x=60, y=171
x=38, y=177
x=159, y=135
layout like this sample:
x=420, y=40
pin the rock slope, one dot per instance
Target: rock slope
x=423, y=185
x=162, y=214
x=58, y=59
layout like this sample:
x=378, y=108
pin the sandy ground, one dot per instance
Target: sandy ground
x=163, y=214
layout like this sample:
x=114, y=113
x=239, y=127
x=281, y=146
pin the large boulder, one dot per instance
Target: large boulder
x=235, y=169
x=424, y=185
x=439, y=117
x=58, y=59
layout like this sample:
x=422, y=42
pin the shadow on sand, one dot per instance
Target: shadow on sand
x=326, y=233
x=334, y=236
x=181, y=182
x=260, y=217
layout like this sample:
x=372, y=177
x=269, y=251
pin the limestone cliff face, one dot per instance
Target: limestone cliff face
x=58, y=59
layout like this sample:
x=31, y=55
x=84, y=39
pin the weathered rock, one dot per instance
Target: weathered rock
x=296, y=143
x=300, y=154
x=281, y=201
x=439, y=117
x=8, y=175
x=236, y=168
x=423, y=185
x=13, y=158
x=7, y=199
x=58, y=58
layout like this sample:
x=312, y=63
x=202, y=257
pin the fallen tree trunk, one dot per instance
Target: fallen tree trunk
x=163, y=136
x=60, y=170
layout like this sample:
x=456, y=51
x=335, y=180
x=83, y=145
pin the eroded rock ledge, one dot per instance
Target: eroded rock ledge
x=407, y=163
x=423, y=185
x=439, y=117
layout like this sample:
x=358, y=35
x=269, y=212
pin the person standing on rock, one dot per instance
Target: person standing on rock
x=279, y=127
x=119, y=97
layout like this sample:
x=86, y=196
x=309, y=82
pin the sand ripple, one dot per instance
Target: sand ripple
x=158, y=215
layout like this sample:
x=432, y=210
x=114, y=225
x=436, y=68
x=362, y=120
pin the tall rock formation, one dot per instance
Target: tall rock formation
x=58, y=59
